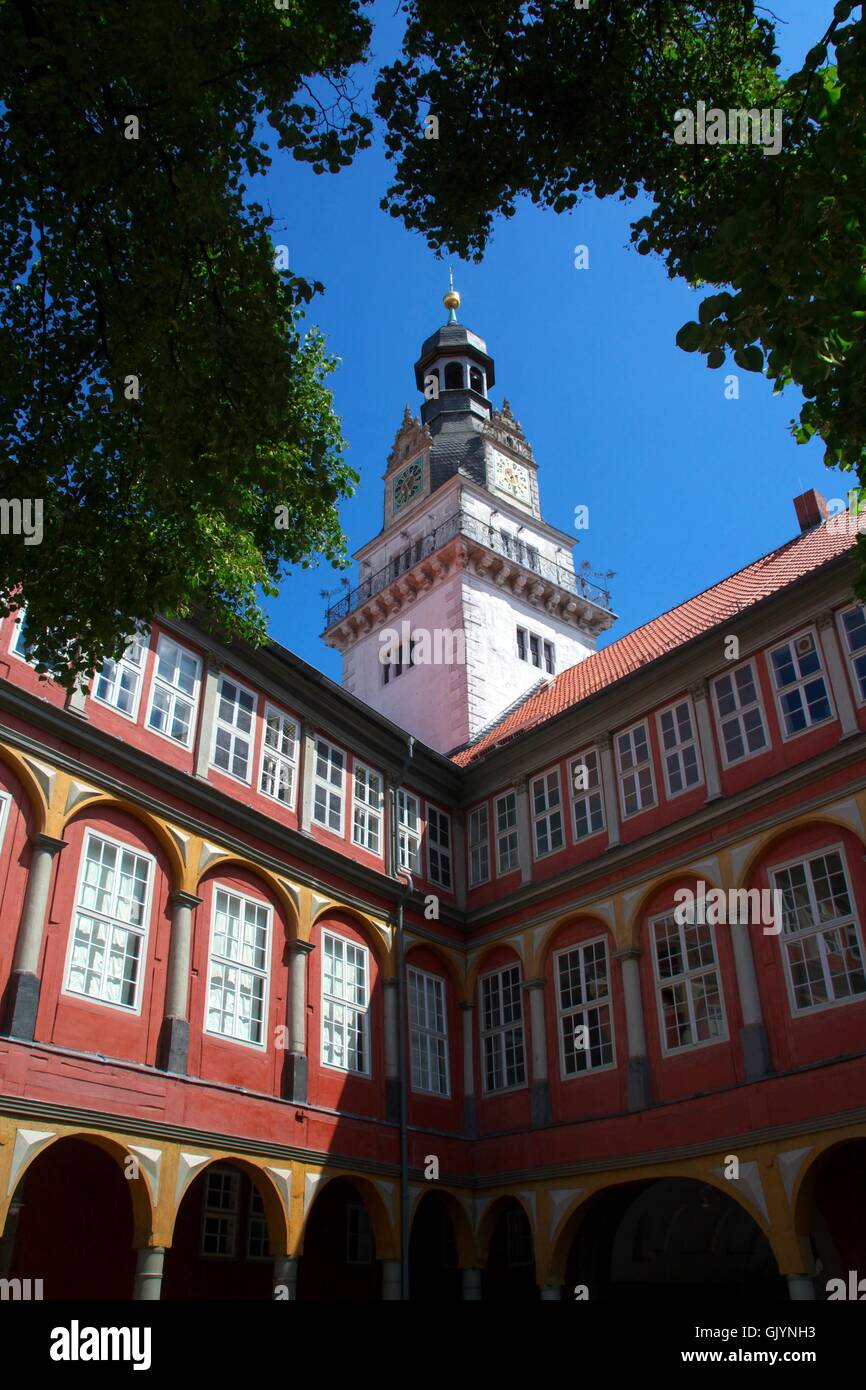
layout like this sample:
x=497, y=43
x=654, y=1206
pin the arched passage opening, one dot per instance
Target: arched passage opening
x=832, y=1213
x=221, y=1247
x=75, y=1224
x=344, y=1246
x=509, y=1273
x=434, y=1273
x=668, y=1238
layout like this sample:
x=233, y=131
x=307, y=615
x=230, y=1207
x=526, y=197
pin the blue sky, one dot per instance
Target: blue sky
x=683, y=486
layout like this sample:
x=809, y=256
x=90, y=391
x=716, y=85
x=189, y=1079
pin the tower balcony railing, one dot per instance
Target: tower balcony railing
x=500, y=542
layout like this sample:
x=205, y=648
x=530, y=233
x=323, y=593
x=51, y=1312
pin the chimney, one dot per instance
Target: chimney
x=811, y=509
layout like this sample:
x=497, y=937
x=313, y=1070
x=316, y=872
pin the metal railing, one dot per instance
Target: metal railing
x=501, y=542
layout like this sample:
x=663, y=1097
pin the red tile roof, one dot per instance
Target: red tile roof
x=664, y=634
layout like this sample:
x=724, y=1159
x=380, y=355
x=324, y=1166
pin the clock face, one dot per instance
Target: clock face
x=512, y=478
x=408, y=484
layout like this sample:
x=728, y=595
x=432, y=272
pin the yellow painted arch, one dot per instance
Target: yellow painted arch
x=152, y=823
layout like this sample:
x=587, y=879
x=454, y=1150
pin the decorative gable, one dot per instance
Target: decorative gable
x=410, y=439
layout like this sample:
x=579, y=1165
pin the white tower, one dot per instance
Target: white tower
x=466, y=599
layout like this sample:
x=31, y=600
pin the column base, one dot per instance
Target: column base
x=295, y=1078
x=392, y=1099
x=392, y=1288
x=539, y=1104
x=801, y=1288
x=638, y=1087
x=756, y=1051
x=551, y=1293
x=286, y=1278
x=22, y=1005
x=471, y=1285
x=174, y=1049
x=148, y=1274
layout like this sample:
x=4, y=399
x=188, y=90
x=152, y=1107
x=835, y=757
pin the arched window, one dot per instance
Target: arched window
x=476, y=380
x=454, y=376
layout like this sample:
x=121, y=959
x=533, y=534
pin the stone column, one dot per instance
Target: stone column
x=309, y=741
x=836, y=674
x=286, y=1278
x=539, y=1086
x=801, y=1288
x=608, y=787
x=639, y=1082
x=392, y=1053
x=551, y=1293
x=148, y=1274
x=753, y=1034
x=204, y=735
x=471, y=1285
x=25, y=982
x=524, y=830
x=296, y=1055
x=458, y=860
x=699, y=695
x=175, y=1025
x=468, y=1069
x=392, y=1290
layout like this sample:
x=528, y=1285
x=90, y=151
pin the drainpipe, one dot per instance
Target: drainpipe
x=401, y=1030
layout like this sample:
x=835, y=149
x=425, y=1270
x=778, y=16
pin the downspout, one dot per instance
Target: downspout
x=401, y=1029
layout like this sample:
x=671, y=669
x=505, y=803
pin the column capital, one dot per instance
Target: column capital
x=631, y=953
x=469, y=1004
x=826, y=618
x=537, y=983
x=184, y=899
x=698, y=689
x=604, y=743
x=50, y=842
x=521, y=783
x=302, y=948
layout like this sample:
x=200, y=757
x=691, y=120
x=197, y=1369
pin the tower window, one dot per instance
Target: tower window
x=521, y=643
x=535, y=649
x=476, y=380
x=396, y=668
x=454, y=376
x=549, y=662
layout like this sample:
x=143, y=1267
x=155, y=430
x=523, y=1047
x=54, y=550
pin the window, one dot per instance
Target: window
x=233, y=730
x=18, y=645
x=533, y=559
x=345, y=1000
x=220, y=1214
x=549, y=659
x=636, y=786
x=585, y=1019
x=174, y=693
x=801, y=691
x=409, y=831
x=367, y=808
x=109, y=935
x=687, y=979
x=507, y=850
x=476, y=380
x=392, y=669
x=479, y=846
x=679, y=749
x=328, y=776
x=258, y=1240
x=741, y=719
x=820, y=937
x=278, y=774
x=428, y=1033
x=454, y=376
x=854, y=627
x=119, y=682
x=534, y=649
x=359, y=1235
x=521, y=643
x=238, y=967
x=438, y=847
x=587, y=806
x=547, y=814
x=502, y=1030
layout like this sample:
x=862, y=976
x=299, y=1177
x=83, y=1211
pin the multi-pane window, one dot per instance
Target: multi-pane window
x=507, y=849
x=174, y=693
x=679, y=748
x=119, y=682
x=587, y=806
x=328, y=779
x=278, y=775
x=479, y=846
x=634, y=765
x=220, y=1213
x=367, y=808
x=531, y=647
x=428, y=1032
x=854, y=627
x=522, y=648
x=392, y=669
x=409, y=831
x=502, y=1052
x=534, y=649
x=238, y=967
x=585, y=1014
x=359, y=1235
x=549, y=658
x=109, y=934
x=438, y=847
x=741, y=719
x=345, y=1001
x=258, y=1240
x=547, y=813
x=233, y=730
x=801, y=690
x=820, y=937
x=687, y=979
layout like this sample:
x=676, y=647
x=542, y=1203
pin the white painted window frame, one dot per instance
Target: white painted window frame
x=142, y=932
x=244, y=897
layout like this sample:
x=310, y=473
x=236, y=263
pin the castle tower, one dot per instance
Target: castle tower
x=466, y=599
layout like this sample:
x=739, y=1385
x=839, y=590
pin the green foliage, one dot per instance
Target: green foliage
x=145, y=258
x=543, y=100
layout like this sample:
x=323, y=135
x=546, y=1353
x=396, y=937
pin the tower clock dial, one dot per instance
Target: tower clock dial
x=407, y=484
x=512, y=478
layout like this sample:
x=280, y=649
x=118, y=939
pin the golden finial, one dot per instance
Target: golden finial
x=451, y=300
